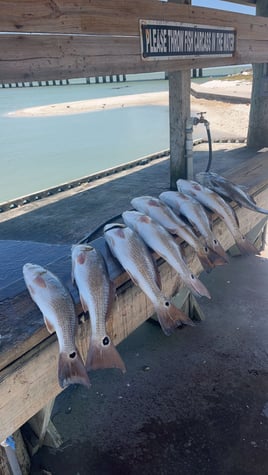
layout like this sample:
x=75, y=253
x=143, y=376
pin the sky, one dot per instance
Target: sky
x=221, y=5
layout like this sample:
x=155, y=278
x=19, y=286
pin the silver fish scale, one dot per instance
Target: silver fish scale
x=99, y=290
x=141, y=256
x=63, y=308
x=135, y=257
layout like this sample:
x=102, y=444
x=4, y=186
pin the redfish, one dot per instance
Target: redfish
x=58, y=311
x=96, y=294
x=161, y=213
x=216, y=203
x=134, y=256
x=229, y=190
x=195, y=213
x=158, y=239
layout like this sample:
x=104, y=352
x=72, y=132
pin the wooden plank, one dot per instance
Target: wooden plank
x=44, y=430
x=119, y=17
x=35, y=58
x=102, y=38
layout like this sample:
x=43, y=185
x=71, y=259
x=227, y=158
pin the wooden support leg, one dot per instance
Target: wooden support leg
x=257, y=236
x=188, y=304
x=41, y=431
x=14, y=460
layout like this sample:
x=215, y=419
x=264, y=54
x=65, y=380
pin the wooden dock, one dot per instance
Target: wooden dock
x=29, y=355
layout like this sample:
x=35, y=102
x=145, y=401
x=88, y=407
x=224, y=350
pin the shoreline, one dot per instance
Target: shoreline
x=219, y=88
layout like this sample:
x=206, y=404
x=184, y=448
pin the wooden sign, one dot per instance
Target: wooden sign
x=170, y=40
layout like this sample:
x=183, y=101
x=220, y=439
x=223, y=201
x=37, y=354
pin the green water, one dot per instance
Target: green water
x=38, y=153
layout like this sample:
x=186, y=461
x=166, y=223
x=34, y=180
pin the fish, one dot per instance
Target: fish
x=216, y=203
x=197, y=216
x=134, y=256
x=159, y=239
x=96, y=293
x=56, y=305
x=229, y=190
x=161, y=213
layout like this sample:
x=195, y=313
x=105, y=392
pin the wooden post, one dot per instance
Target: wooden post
x=257, y=132
x=179, y=112
x=44, y=430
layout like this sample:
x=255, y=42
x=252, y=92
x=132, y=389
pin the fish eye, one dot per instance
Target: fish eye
x=72, y=355
x=167, y=304
x=192, y=276
x=105, y=341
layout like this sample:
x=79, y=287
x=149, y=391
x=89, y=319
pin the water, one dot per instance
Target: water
x=38, y=153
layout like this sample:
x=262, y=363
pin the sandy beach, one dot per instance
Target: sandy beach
x=223, y=115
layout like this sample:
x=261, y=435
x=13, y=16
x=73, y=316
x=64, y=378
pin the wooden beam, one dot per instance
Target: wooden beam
x=249, y=3
x=257, y=131
x=179, y=112
x=102, y=17
x=83, y=39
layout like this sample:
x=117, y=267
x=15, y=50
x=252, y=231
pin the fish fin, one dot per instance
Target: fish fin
x=49, y=325
x=235, y=216
x=112, y=295
x=171, y=317
x=103, y=355
x=83, y=303
x=261, y=210
x=217, y=259
x=218, y=249
x=246, y=247
x=197, y=287
x=171, y=230
x=243, y=187
x=71, y=370
x=205, y=261
x=157, y=274
x=210, y=216
x=133, y=278
x=72, y=273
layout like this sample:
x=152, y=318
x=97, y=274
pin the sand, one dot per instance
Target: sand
x=231, y=119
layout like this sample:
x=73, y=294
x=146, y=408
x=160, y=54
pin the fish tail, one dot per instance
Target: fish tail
x=221, y=257
x=245, y=246
x=103, y=355
x=218, y=259
x=261, y=210
x=71, y=370
x=197, y=287
x=206, y=262
x=171, y=317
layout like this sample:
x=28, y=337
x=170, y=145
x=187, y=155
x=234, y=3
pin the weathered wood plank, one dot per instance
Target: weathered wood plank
x=34, y=58
x=102, y=38
x=179, y=112
x=119, y=17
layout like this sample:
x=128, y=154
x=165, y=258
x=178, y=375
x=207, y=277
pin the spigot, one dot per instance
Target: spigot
x=201, y=118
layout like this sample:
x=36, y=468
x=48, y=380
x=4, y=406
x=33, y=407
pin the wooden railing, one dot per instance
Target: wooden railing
x=65, y=39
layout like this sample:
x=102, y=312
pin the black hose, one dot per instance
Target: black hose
x=209, y=146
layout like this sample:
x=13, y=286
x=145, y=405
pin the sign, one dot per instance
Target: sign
x=170, y=40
